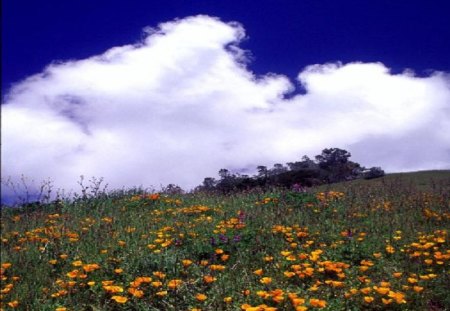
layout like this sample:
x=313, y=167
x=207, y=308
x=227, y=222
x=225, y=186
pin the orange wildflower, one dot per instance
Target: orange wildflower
x=266, y=280
x=173, y=284
x=119, y=299
x=317, y=303
x=201, y=297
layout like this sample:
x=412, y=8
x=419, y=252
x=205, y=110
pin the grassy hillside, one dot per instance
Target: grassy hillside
x=435, y=180
x=424, y=180
x=364, y=245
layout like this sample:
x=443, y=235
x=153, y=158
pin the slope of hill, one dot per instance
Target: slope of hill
x=362, y=245
x=420, y=180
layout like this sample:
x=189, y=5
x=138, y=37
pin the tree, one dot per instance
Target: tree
x=332, y=165
x=224, y=173
x=209, y=184
x=262, y=177
x=262, y=171
x=277, y=169
x=335, y=166
x=172, y=189
x=373, y=172
x=227, y=181
x=332, y=156
x=304, y=164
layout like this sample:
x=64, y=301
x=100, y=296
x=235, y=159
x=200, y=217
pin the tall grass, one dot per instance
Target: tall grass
x=368, y=246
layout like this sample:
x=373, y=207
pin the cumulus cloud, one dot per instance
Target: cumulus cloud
x=182, y=104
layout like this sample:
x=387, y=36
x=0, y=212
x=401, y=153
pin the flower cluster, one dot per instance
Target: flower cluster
x=235, y=252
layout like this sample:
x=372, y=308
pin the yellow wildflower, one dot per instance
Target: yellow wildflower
x=209, y=279
x=173, y=284
x=186, y=262
x=119, y=299
x=13, y=304
x=418, y=289
x=161, y=293
x=227, y=299
x=317, y=303
x=159, y=274
x=201, y=297
x=266, y=280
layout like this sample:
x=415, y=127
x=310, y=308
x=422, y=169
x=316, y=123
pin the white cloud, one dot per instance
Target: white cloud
x=182, y=104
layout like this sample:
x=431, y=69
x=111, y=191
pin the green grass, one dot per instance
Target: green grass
x=435, y=180
x=363, y=245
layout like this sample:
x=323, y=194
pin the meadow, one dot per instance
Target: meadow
x=365, y=245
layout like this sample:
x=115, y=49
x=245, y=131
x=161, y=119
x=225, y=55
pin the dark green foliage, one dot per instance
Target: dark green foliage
x=331, y=166
x=374, y=172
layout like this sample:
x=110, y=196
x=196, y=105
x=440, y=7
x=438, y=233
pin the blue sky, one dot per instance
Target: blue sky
x=284, y=36
x=156, y=92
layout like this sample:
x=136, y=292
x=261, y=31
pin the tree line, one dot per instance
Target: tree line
x=332, y=165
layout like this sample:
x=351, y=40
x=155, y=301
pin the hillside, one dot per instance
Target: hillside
x=362, y=245
x=420, y=180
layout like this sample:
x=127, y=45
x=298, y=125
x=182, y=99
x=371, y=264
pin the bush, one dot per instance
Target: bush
x=374, y=172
